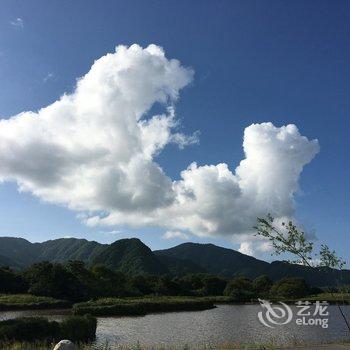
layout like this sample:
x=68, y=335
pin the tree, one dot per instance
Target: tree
x=167, y=286
x=191, y=283
x=288, y=238
x=262, y=285
x=239, y=289
x=290, y=287
x=85, y=277
x=141, y=285
x=53, y=280
x=111, y=283
x=11, y=282
x=213, y=285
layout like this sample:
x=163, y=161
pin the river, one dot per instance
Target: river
x=226, y=324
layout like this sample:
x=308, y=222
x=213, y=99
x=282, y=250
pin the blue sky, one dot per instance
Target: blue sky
x=254, y=61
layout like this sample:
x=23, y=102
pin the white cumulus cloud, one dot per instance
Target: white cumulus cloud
x=94, y=151
x=175, y=234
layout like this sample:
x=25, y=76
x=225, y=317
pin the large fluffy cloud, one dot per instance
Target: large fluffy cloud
x=93, y=151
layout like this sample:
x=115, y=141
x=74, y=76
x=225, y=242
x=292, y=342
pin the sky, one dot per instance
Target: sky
x=216, y=89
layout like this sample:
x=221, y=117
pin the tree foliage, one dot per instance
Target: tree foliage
x=288, y=238
x=240, y=289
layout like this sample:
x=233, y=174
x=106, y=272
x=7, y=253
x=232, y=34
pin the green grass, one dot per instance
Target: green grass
x=140, y=306
x=219, y=299
x=29, y=302
x=330, y=297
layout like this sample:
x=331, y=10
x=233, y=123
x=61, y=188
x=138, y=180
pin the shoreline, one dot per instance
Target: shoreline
x=183, y=303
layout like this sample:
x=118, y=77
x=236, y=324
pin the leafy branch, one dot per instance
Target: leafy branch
x=288, y=238
x=329, y=258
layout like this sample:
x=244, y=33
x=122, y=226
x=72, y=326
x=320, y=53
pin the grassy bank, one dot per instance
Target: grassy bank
x=332, y=298
x=34, y=329
x=140, y=306
x=30, y=302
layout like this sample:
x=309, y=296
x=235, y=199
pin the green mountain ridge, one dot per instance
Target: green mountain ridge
x=228, y=263
x=63, y=249
x=25, y=253
x=133, y=257
x=217, y=260
x=130, y=255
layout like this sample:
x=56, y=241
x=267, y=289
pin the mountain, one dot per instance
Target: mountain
x=23, y=253
x=179, y=267
x=133, y=257
x=128, y=255
x=64, y=249
x=217, y=260
x=19, y=250
x=5, y=261
x=228, y=263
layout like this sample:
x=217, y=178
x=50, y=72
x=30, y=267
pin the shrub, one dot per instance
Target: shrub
x=29, y=329
x=78, y=328
x=123, y=307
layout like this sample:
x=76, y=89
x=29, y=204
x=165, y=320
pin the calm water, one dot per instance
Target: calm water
x=233, y=324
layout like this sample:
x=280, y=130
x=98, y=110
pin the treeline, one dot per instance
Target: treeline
x=75, y=282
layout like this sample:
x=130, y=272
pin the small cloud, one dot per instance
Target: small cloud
x=18, y=22
x=255, y=247
x=67, y=236
x=184, y=140
x=246, y=248
x=111, y=233
x=49, y=76
x=175, y=234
